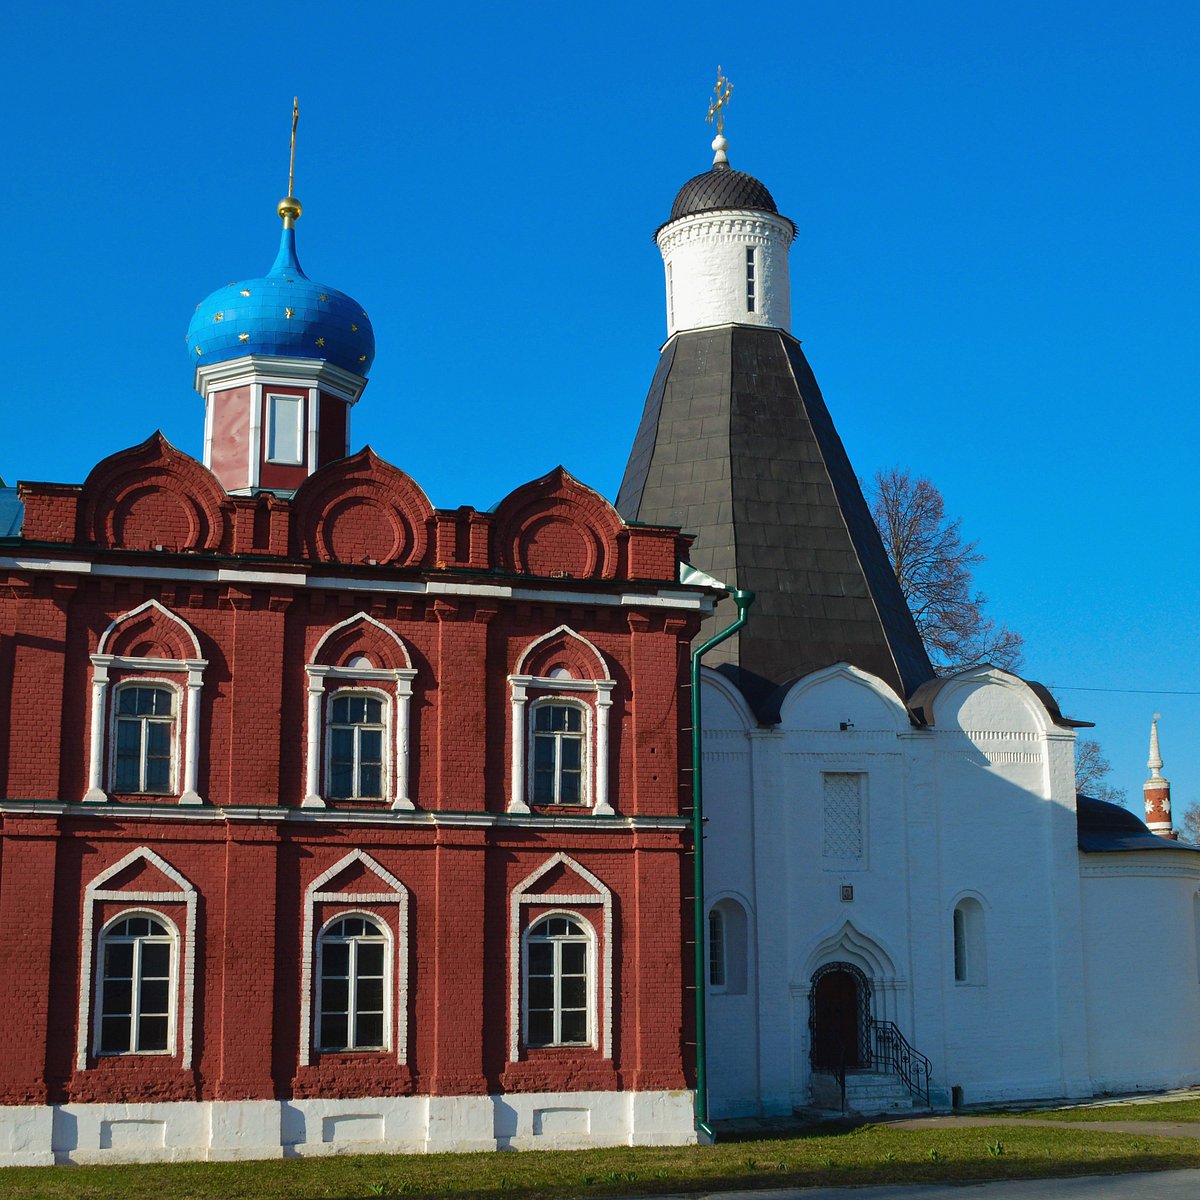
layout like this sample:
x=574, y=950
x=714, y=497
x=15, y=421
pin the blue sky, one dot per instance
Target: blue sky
x=995, y=275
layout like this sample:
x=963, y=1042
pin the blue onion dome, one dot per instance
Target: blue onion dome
x=283, y=314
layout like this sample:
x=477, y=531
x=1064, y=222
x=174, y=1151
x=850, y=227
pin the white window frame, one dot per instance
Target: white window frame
x=588, y=937
x=389, y=954
x=751, y=279
x=717, y=948
x=184, y=983
x=272, y=406
x=585, y=739
x=172, y=939
x=559, y=688
x=114, y=719
x=391, y=891
x=525, y=895
x=103, y=724
x=385, y=702
x=394, y=685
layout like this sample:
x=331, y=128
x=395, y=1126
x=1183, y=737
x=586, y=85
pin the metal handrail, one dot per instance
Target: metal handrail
x=892, y=1052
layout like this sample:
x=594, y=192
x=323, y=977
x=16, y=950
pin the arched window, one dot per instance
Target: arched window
x=557, y=983
x=354, y=985
x=727, y=948
x=970, y=961
x=559, y=774
x=144, y=745
x=357, y=746
x=137, y=986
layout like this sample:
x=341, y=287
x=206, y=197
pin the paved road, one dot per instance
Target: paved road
x=1156, y=1185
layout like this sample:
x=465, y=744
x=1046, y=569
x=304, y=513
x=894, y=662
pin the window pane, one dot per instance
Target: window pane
x=574, y=992
x=541, y=958
x=543, y=786
x=368, y=1031
x=335, y=958
x=370, y=995
x=574, y=958
x=341, y=710
x=283, y=439
x=370, y=782
x=333, y=1032
x=541, y=992
x=342, y=745
x=158, y=775
x=156, y=959
x=118, y=997
x=570, y=788
x=335, y=995
x=543, y=717
x=370, y=958
x=370, y=746
x=127, y=701
x=152, y=1033
x=373, y=710
x=340, y=781
x=118, y=960
x=573, y=720
x=114, y=1035
x=153, y=997
x=541, y=1028
x=574, y=1027
x=571, y=750
x=543, y=753
x=158, y=738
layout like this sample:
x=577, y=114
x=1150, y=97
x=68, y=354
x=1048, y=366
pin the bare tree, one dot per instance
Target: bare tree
x=1189, y=825
x=934, y=567
x=1092, y=769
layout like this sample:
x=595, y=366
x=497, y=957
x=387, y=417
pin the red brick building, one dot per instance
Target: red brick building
x=329, y=819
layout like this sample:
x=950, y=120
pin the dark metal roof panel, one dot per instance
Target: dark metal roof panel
x=721, y=187
x=1105, y=828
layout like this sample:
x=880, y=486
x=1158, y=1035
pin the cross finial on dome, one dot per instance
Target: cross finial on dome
x=289, y=207
x=716, y=115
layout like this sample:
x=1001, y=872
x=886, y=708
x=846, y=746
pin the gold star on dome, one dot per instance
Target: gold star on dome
x=322, y=296
x=364, y=315
x=353, y=327
x=361, y=357
x=245, y=291
x=198, y=350
x=218, y=316
x=320, y=341
x=287, y=312
x=243, y=337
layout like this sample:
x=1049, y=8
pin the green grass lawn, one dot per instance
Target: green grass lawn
x=1160, y=1110
x=868, y=1154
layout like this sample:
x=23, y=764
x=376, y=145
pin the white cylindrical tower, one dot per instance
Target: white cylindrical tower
x=725, y=252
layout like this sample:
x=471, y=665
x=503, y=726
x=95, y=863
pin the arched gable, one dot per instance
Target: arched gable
x=363, y=635
x=842, y=693
x=555, y=526
x=152, y=496
x=723, y=706
x=846, y=943
x=362, y=509
x=151, y=630
x=987, y=698
x=562, y=649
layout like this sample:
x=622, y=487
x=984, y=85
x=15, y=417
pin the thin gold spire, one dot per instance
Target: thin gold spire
x=289, y=207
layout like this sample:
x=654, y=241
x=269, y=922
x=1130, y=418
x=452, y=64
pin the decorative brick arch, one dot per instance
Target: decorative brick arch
x=362, y=510
x=557, y=527
x=562, y=649
x=361, y=634
x=149, y=631
x=152, y=496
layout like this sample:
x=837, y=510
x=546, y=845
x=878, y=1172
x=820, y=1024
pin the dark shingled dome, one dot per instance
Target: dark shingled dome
x=721, y=187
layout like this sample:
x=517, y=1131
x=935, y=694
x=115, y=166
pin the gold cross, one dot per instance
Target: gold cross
x=718, y=105
x=292, y=160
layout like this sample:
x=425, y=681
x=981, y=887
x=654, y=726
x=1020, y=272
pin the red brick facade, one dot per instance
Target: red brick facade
x=250, y=614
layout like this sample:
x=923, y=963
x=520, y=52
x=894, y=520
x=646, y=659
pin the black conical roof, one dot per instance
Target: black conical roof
x=736, y=445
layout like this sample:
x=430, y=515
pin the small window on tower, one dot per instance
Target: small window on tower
x=670, y=297
x=284, y=434
x=751, y=302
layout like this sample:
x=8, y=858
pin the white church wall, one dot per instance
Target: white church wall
x=1006, y=836
x=1143, y=978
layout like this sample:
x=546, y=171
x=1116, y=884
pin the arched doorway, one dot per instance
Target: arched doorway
x=839, y=1017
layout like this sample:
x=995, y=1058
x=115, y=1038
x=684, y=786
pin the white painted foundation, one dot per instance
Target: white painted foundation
x=224, y=1131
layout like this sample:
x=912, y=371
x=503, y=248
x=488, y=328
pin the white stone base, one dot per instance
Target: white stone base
x=40, y=1135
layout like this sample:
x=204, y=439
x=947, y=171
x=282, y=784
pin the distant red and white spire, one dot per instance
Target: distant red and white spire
x=1157, y=790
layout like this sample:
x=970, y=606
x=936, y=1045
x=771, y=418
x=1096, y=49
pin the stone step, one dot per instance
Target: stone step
x=867, y=1092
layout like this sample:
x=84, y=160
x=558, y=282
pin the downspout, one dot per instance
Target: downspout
x=743, y=600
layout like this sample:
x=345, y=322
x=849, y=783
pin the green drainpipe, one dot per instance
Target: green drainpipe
x=743, y=600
